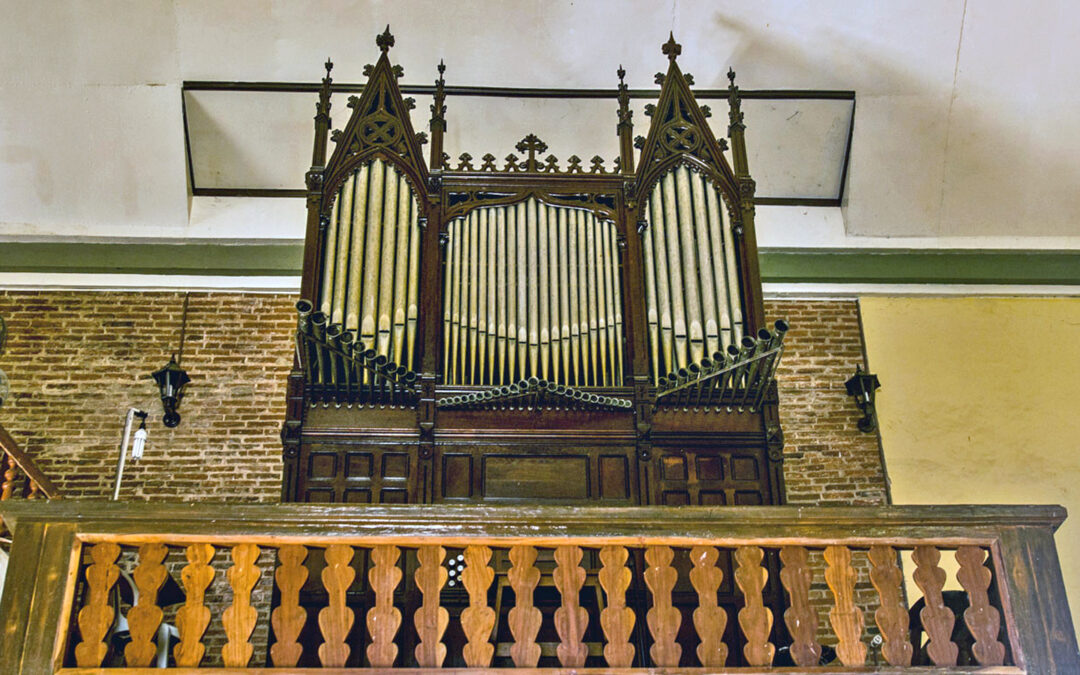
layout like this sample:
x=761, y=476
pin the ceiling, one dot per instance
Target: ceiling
x=966, y=129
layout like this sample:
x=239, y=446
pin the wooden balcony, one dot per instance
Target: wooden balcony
x=636, y=589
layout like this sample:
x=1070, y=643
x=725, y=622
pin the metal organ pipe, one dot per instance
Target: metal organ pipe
x=692, y=294
x=370, y=284
x=543, y=293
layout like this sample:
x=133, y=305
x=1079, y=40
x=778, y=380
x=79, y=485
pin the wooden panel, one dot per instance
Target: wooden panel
x=395, y=465
x=673, y=467
x=522, y=477
x=614, y=477
x=457, y=476
x=322, y=464
x=358, y=465
x=710, y=467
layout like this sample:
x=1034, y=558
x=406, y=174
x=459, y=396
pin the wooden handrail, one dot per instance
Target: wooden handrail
x=27, y=465
x=1007, y=558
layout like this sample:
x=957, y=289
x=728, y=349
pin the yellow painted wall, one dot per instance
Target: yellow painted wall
x=980, y=403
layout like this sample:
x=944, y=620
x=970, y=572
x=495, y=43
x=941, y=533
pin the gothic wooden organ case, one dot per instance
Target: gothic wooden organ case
x=530, y=330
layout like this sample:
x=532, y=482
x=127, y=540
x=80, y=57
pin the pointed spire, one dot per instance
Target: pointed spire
x=322, y=117
x=625, y=128
x=624, y=98
x=735, y=116
x=672, y=48
x=385, y=41
x=438, y=119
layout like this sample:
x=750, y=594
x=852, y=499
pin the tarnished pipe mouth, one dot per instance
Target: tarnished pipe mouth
x=781, y=326
x=304, y=307
x=334, y=330
x=764, y=335
x=318, y=318
x=747, y=342
x=732, y=350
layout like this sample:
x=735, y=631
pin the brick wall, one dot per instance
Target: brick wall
x=77, y=360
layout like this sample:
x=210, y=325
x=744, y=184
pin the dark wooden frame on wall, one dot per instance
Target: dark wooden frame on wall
x=323, y=443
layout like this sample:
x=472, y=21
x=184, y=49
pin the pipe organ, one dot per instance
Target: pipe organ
x=529, y=329
x=521, y=331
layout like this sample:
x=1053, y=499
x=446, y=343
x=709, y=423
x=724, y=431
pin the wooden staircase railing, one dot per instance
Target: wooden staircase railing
x=19, y=476
x=56, y=611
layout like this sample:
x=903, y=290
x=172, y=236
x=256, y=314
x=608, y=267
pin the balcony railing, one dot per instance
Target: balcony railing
x=635, y=589
x=19, y=476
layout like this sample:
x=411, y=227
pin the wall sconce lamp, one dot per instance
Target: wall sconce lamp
x=862, y=387
x=172, y=378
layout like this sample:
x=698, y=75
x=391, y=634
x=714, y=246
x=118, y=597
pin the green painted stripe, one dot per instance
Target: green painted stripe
x=202, y=258
x=946, y=266
x=862, y=266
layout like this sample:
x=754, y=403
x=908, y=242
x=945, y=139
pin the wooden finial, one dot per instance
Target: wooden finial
x=731, y=76
x=441, y=68
x=385, y=41
x=672, y=48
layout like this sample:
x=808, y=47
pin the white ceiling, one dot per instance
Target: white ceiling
x=967, y=124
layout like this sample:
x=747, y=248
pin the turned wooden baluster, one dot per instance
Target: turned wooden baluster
x=754, y=618
x=239, y=618
x=193, y=618
x=524, y=619
x=800, y=617
x=145, y=617
x=336, y=619
x=35, y=489
x=891, y=616
x=430, y=619
x=937, y=619
x=710, y=619
x=571, y=619
x=288, y=618
x=477, y=620
x=96, y=617
x=383, y=619
x=663, y=618
x=845, y=617
x=983, y=620
x=616, y=619
x=10, y=473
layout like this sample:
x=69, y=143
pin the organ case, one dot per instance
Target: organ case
x=520, y=331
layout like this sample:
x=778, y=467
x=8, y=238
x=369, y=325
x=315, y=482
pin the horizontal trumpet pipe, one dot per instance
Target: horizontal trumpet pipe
x=764, y=337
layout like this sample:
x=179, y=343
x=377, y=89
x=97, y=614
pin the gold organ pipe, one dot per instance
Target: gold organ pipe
x=553, y=292
x=663, y=294
x=592, y=278
x=603, y=292
x=326, y=298
x=616, y=279
x=734, y=297
x=512, y=253
x=356, y=248
x=564, y=293
x=386, y=267
x=717, y=241
x=481, y=293
x=583, y=296
x=341, y=258
x=708, y=258
x=573, y=293
x=544, y=313
x=611, y=285
x=372, y=254
x=503, y=291
x=533, y=289
x=451, y=284
x=689, y=265
x=522, y=290
x=492, y=313
x=401, y=271
x=474, y=289
x=412, y=312
x=675, y=266
x=651, y=316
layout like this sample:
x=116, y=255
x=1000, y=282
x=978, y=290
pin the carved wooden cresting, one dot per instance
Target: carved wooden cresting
x=528, y=329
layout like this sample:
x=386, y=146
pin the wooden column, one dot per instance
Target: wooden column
x=37, y=597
